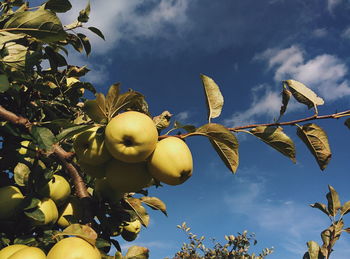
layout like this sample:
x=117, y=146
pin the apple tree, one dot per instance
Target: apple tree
x=77, y=170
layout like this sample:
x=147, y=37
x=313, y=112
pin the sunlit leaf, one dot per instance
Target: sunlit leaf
x=313, y=249
x=155, y=203
x=277, y=139
x=316, y=140
x=345, y=209
x=333, y=201
x=140, y=211
x=137, y=252
x=214, y=98
x=21, y=174
x=303, y=94
x=322, y=207
x=83, y=231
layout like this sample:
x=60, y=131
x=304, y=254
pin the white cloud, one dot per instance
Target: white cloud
x=320, y=32
x=346, y=33
x=331, y=4
x=182, y=116
x=124, y=20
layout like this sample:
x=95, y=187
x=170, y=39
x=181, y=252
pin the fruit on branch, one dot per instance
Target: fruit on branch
x=6, y=252
x=10, y=201
x=73, y=248
x=131, y=137
x=127, y=177
x=49, y=209
x=171, y=161
x=95, y=171
x=105, y=192
x=90, y=147
x=73, y=210
x=58, y=189
x=27, y=148
x=131, y=230
x=28, y=253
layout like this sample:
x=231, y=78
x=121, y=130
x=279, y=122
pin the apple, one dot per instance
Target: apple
x=58, y=189
x=27, y=148
x=127, y=177
x=95, y=171
x=90, y=147
x=28, y=253
x=131, y=230
x=131, y=137
x=73, y=248
x=171, y=161
x=6, y=252
x=72, y=209
x=49, y=208
x=105, y=192
x=10, y=201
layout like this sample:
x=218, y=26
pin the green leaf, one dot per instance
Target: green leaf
x=333, y=201
x=6, y=37
x=35, y=214
x=140, y=211
x=313, y=249
x=316, y=140
x=112, y=99
x=277, y=139
x=83, y=231
x=155, y=203
x=55, y=58
x=75, y=42
x=137, y=252
x=92, y=109
x=84, y=14
x=16, y=56
x=187, y=127
x=71, y=131
x=86, y=43
x=130, y=100
x=214, y=98
x=58, y=6
x=41, y=24
x=286, y=94
x=44, y=137
x=303, y=94
x=30, y=203
x=4, y=83
x=322, y=207
x=97, y=32
x=21, y=174
x=345, y=209
x=223, y=141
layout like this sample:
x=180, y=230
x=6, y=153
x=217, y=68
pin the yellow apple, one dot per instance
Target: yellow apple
x=131, y=230
x=96, y=171
x=131, y=137
x=127, y=177
x=10, y=201
x=90, y=147
x=73, y=209
x=28, y=253
x=58, y=189
x=73, y=248
x=27, y=148
x=6, y=252
x=171, y=161
x=49, y=208
x=104, y=191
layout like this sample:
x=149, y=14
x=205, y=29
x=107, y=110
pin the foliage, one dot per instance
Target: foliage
x=43, y=108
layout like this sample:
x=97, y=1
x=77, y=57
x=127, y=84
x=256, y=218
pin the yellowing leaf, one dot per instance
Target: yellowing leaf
x=333, y=201
x=214, y=98
x=154, y=203
x=322, y=207
x=137, y=252
x=345, y=209
x=316, y=140
x=83, y=231
x=304, y=94
x=140, y=211
x=313, y=249
x=286, y=94
x=277, y=139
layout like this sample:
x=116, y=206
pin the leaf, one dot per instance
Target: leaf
x=214, y=98
x=83, y=231
x=35, y=214
x=71, y=131
x=140, y=211
x=154, y=203
x=6, y=37
x=84, y=14
x=112, y=99
x=162, y=121
x=137, y=252
x=97, y=32
x=303, y=94
x=101, y=102
x=86, y=43
x=187, y=127
x=347, y=123
x=130, y=100
x=286, y=94
x=4, y=83
x=30, y=203
x=223, y=141
x=75, y=42
x=21, y=174
x=333, y=201
x=277, y=139
x=313, y=249
x=316, y=140
x=345, y=209
x=16, y=56
x=41, y=24
x=44, y=137
x=58, y=6
x=322, y=207
x=55, y=59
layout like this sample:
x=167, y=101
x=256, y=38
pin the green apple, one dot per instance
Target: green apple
x=49, y=208
x=95, y=171
x=28, y=253
x=127, y=177
x=171, y=161
x=10, y=201
x=131, y=137
x=131, y=230
x=90, y=147
x=6, y=252
x=105, y=192
x=58, y=189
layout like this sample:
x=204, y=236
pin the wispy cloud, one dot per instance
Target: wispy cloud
x=320, y=32
x=346, y=33
x=331, y=4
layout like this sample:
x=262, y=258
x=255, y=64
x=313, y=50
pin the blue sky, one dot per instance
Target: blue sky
x=159, y=47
